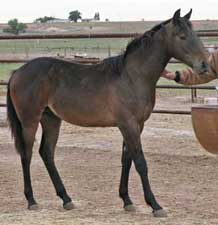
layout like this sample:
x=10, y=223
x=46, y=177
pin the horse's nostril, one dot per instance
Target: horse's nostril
x=204, y=65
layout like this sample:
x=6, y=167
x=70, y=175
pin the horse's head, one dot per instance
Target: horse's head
x=183, y=43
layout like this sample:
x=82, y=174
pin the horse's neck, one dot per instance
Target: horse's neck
x=146, y=65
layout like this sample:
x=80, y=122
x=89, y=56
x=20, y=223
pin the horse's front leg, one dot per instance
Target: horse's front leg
x=130, y=130
x=126, y=161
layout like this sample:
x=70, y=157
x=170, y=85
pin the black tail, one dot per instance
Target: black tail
x=14, y=124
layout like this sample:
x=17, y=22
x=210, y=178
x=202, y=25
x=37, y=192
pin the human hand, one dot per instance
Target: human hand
x=168, y=75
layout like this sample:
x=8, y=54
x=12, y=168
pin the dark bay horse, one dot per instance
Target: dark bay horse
x=118, y=92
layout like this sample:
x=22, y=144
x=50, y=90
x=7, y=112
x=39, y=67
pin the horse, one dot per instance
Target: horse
x=117, y=92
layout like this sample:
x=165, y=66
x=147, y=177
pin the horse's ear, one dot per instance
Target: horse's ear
x=188, y=15
x=176, y=17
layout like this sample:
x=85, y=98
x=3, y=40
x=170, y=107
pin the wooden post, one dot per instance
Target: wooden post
x=109, y=51
x=193, y=94
x=65, y=52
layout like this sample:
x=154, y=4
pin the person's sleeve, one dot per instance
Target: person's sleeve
x=189, y=77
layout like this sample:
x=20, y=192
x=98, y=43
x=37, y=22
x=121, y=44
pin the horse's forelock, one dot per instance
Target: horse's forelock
x=184, y=24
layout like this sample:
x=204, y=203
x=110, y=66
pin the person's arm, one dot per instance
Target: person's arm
x=189, y=77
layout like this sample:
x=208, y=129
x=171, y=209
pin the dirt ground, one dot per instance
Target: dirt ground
x=183, y=176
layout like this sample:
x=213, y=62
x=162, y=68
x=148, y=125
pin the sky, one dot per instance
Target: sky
x=115, y=10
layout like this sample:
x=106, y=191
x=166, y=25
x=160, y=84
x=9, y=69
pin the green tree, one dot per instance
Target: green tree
x=15, y=27
x=44, y=19
x=97, y=16
x=74, y=16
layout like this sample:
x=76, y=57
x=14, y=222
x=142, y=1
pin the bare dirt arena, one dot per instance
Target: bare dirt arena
x=183, y=177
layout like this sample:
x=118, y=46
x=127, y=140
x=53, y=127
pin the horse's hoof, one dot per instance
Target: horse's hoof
x=160, y=213
x=33, y=207
x=130, y=208
x=69, y=206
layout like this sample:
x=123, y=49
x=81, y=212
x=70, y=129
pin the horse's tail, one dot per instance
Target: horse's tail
x=14, y=123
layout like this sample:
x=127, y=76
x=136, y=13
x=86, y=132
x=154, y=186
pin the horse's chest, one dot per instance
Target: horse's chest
x=148, y=110
x=145, y=108
x=142, y=109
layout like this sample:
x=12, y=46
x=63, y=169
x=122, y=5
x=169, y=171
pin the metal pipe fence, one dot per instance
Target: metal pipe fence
x=90, y=35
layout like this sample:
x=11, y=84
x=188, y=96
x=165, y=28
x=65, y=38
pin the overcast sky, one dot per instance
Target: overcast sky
x=115, y=10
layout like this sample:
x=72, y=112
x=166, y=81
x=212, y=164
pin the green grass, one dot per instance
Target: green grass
x=90, y=46
x=72, y=46
x=6, y=68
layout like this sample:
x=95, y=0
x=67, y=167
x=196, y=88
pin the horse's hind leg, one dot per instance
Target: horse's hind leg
x=50, y=132
x=123, y=190
x=28, y=133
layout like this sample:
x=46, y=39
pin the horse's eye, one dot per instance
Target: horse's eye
x=182, y=37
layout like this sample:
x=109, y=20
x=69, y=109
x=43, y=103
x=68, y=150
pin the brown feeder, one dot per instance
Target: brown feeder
x=205, y=124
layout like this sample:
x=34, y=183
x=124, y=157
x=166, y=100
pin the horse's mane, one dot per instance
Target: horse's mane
x=117, y=62
x=146, y=39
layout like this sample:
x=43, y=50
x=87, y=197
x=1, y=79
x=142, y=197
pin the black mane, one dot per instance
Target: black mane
x=145, y=39
x=117, y=62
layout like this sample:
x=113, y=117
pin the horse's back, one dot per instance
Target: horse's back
x=76, y=93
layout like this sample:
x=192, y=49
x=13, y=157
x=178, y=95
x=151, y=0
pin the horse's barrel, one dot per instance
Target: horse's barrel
x=205, y=124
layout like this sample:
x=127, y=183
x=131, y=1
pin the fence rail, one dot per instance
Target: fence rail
x=186, y=87
x=90, y=35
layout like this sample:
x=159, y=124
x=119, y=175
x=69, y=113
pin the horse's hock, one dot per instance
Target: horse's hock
x=205, y=124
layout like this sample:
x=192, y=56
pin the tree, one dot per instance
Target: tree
x=44, y=19
x=15, y=27
x=74, y=16
x=97, y=16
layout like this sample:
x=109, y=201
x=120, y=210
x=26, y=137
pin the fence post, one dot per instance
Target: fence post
x=109, y=51
x=65, y=52
x=27, y=52
x=193, y=94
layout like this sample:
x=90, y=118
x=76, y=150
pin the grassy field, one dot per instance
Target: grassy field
x=91, y=47
x=70, y=47
x=61, y=47
x=6, y=68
